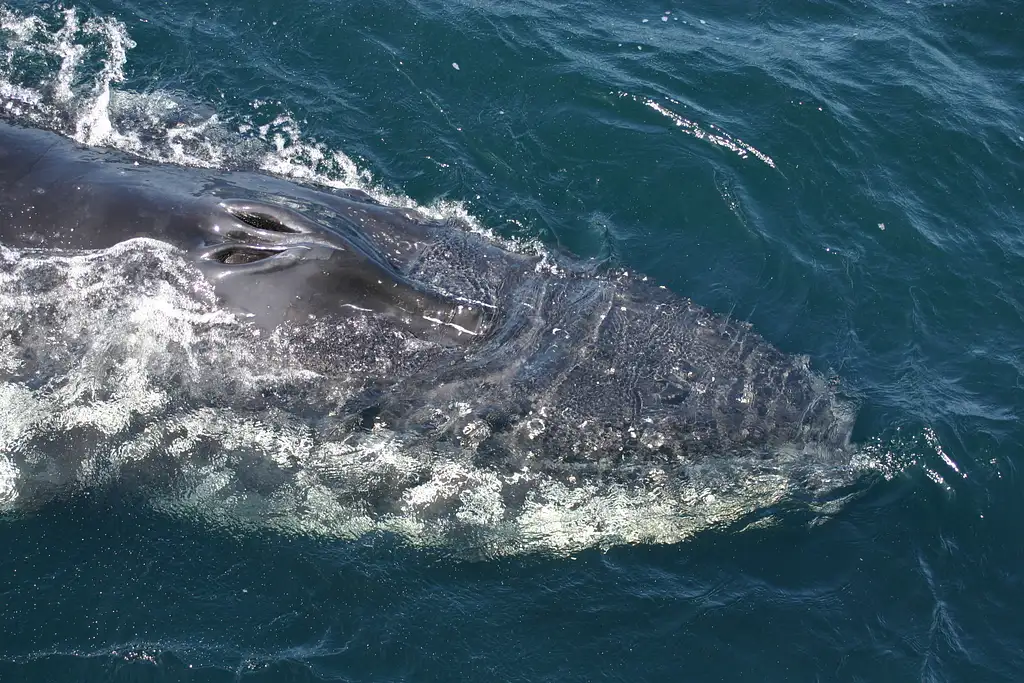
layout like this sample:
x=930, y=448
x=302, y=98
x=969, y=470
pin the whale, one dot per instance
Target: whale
x=406, y=372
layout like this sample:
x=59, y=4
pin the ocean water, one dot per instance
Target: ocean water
x=849, y=177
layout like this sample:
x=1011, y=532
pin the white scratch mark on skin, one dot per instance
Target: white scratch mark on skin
x=460, y=328
x=474, y=301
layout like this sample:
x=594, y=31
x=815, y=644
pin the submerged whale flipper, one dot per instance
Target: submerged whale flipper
x=295, y=353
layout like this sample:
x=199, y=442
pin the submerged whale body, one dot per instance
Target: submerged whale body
x=311, y=358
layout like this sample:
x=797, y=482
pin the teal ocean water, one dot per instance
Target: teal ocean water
x=847, y=176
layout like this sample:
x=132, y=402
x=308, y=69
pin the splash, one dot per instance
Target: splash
x=715, y=136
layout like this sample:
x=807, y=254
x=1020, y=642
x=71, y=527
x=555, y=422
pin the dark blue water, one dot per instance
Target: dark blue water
x=848, y=176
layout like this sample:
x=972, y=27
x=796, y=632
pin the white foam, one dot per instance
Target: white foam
x=8, y=483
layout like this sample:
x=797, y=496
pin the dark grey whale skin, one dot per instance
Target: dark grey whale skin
x=538, y=364
x=338, y=253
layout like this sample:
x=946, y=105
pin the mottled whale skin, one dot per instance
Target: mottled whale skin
x=536, y=367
